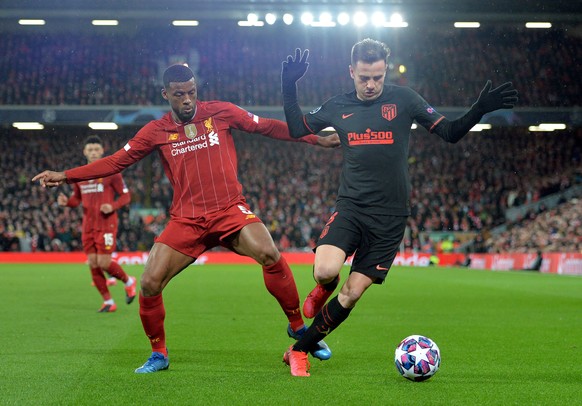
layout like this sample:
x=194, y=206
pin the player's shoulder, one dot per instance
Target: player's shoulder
x=161, y=122
x=338, y=101
x=401, y=94
x=342, y=98
x=221, y=110
x=212, y=107
x=400, y=90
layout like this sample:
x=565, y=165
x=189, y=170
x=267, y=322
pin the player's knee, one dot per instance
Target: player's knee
x=150, y=286
x=324, y=273
x=103, y=265
x=268, y=256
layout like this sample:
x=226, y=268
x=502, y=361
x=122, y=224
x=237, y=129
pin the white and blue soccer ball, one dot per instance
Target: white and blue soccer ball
x=417, y=358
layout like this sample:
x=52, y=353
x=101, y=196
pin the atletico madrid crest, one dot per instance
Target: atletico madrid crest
x=389, y=111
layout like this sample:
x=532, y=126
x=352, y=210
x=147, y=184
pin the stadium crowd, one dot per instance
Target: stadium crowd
x=547, y=230
x=466, y=187
x=103, y=69
x=292, y=187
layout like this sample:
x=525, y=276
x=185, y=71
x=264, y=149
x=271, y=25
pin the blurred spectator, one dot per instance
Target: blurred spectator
x=53, y=68
x=293, y=189
x=556, y=230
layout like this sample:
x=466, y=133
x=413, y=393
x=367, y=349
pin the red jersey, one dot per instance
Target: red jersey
x=199, y=157
x=92, y=194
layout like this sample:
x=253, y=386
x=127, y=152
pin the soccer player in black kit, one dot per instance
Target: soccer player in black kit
x=373, y=204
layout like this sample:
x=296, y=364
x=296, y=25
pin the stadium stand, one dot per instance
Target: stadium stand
x=468, y=187
x=465, y=187
x=91, y=69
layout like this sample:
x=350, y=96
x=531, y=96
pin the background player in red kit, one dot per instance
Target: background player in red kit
x=373, y=122
x=197, y=150
x=100, y=222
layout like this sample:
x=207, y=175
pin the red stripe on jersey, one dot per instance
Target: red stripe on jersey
x=435, y=124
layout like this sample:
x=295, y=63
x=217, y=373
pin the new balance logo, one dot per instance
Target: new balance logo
x=344, y=116
x=213, y=139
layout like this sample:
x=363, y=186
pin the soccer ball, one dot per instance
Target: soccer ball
x=417, y=358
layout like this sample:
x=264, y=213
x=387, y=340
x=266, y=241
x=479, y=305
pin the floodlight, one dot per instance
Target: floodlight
x=270, y=18
x=307, y=18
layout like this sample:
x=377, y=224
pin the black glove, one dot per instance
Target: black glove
x=293, y=69
x=502, y=97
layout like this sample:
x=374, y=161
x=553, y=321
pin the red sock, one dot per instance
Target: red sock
x=280, y=283
x=117, y=272
x=152, y=314
x=100, y=283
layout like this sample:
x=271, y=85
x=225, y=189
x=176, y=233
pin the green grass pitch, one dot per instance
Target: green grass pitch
x=505, y=338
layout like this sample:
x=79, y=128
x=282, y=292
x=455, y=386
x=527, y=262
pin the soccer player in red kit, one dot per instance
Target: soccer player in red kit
x=195, y=144
x=100, y=225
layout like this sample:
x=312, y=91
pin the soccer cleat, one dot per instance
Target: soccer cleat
x=316, y=299
x=322, y=352
x=156, y=362
x=107, y=308
x=130, y=291
x=298, y=362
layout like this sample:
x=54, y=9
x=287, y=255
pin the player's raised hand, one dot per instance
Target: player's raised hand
x=502, y=97
x=50, y=178
x=329, y=141
x=294, y=67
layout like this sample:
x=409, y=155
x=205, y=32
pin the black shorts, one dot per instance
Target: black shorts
x=374, y=238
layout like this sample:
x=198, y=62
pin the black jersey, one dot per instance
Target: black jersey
x=375, y=137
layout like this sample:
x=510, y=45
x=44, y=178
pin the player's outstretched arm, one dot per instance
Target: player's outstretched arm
x=293, y=69
x=502, y=97
x=279, y=130
x=329, y=141
x=50, y=178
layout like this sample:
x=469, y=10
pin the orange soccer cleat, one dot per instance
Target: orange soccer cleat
x=298, y=362
x=130, y=291
x=107, y=308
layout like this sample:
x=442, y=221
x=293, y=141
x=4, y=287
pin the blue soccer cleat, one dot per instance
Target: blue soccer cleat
x=322, y=352
x=157, y=362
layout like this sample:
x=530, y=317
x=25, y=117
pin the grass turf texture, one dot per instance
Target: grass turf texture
x=505, y=337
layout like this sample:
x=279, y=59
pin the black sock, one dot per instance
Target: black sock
x=331, y=285
x=331, y=315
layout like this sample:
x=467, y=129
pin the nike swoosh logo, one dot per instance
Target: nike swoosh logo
x=381, y=268
x=344, y=116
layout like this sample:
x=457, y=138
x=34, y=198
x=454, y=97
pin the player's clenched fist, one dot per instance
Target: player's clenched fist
x=50, y=178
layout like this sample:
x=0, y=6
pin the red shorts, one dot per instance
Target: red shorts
x=99, y=242
x=192, y=237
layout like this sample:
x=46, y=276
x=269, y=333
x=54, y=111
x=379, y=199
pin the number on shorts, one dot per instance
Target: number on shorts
x=108, y=239
x=244, y=209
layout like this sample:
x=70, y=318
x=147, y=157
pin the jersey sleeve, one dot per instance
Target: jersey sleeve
x=423, y=112
x=137, y=148
x=318, y=119
x=75, y=198
x=122, y=191
x=272, y=128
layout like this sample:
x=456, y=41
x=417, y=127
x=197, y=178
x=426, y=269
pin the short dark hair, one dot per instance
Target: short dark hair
x=93, y=139
x=369, y=51
x=177, y=73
